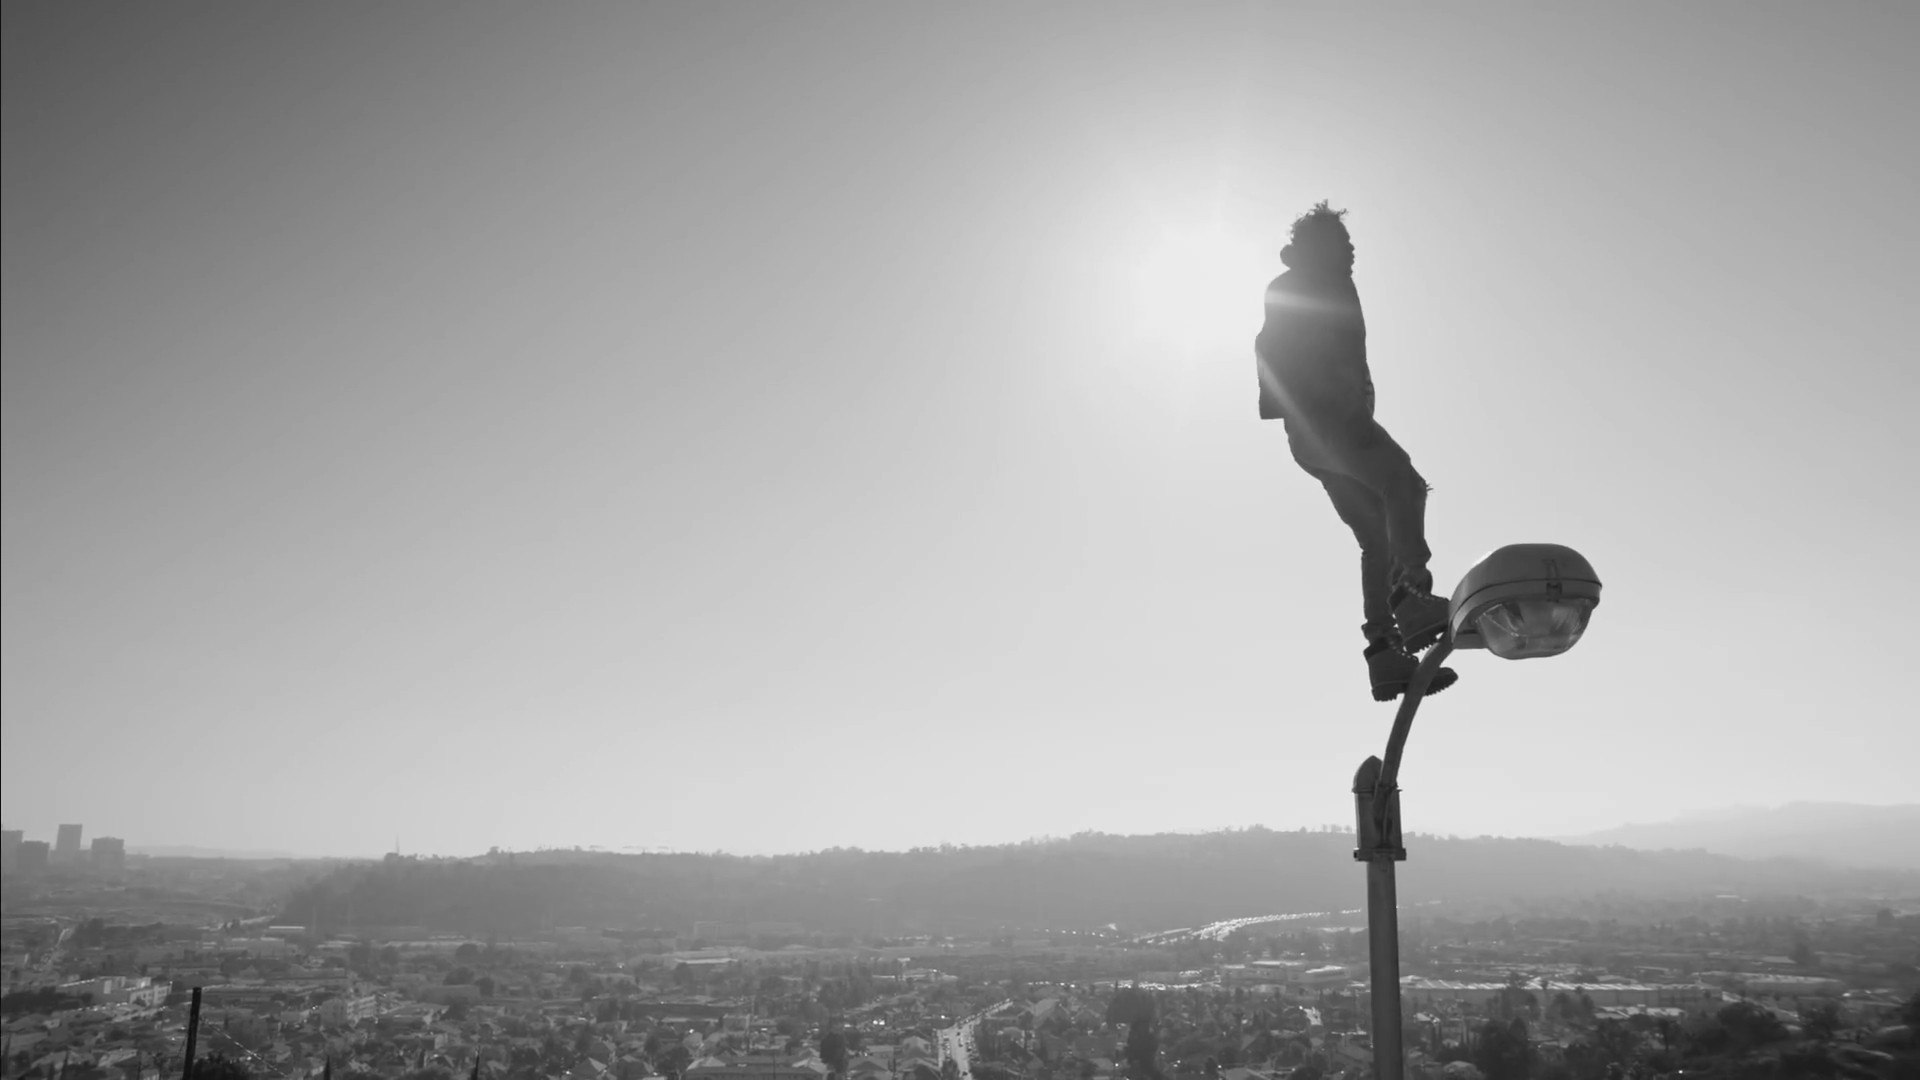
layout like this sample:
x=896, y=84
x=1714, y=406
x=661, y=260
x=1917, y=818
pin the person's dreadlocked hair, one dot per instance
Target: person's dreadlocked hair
x=1321, y=219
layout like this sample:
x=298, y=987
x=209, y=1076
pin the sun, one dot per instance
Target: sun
x=1200, y=288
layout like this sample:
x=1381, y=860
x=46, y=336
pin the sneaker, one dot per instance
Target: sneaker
x=1391, y=668
x=1421, y=616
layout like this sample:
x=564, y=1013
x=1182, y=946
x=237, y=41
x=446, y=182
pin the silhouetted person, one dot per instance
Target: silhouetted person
x=1312, y=359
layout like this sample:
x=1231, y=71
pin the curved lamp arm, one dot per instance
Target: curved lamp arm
x=1403, y=726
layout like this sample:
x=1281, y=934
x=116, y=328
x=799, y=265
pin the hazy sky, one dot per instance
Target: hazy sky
x=772, y=427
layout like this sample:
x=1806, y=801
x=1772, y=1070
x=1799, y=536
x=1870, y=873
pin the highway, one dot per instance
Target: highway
x=1219, y=931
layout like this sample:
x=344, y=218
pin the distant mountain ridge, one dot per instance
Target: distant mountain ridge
x=1092, y=879
x=1840, y=834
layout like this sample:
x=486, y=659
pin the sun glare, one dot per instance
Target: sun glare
x=1201, y=288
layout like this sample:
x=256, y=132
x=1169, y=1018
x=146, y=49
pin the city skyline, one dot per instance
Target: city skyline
x=777, y=429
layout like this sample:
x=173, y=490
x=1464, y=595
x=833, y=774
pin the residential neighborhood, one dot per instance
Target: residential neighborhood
x=1254, y=998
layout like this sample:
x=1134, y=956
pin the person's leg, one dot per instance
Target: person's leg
x=1362, y=451
x=1390, y=666
x=1363, y=513
x=1377, y=461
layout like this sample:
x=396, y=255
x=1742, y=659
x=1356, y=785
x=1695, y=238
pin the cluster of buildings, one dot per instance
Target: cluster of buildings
x=23, y=856
x=289, y=1004
x=105, y=991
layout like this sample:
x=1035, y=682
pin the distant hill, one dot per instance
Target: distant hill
x=183, y=851
x=1137, y=882
x=1842, y=834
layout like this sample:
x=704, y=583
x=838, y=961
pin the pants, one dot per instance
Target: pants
x=1376, y=491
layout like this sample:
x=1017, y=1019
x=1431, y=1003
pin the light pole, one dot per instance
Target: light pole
x=1519, y=602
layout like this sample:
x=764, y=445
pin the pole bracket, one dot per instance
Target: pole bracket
x=1376, y=820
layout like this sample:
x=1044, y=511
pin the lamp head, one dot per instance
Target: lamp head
x=1524, y=600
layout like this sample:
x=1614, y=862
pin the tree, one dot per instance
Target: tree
x=675, y=1061
x=1749, y=1024
x=1821, y=1020
x=1130, y=1005
x=220, y=1067
x=485, y=983
x=833, y=1051
x=467, y=953
x=1802, y=953
x=1143, y=1051
x=1615, y=1042
x=1502, y=1051
x=1516, y=1000
x=1134, y=1007
x=42, y=999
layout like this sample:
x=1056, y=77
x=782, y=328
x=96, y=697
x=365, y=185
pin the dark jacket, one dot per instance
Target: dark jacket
x=1311, y=356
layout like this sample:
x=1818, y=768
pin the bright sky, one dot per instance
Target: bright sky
x=771, y=427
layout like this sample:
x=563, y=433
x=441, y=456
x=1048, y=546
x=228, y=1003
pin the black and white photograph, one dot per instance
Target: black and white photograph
x=1043, y=540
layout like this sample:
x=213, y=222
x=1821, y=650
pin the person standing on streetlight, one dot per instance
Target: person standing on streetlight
x=1312, y=364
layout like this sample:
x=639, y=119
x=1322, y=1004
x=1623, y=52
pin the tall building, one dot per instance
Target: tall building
x=109, y=853
x=66, y=847
x=9, y=848
x=32, y=857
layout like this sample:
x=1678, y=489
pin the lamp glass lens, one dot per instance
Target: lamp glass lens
x=1521, y=629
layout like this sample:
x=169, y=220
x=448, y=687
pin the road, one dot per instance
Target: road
x=1219, y=931
x=956, y=1042
x=953, y=1046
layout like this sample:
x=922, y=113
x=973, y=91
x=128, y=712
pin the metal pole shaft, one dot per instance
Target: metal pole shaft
x=193, y=1033
x=1377, y=805
x=1383, y=948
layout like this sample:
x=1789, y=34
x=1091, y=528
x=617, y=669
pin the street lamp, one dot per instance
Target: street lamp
x=1520, y=602
x=1524, y=601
